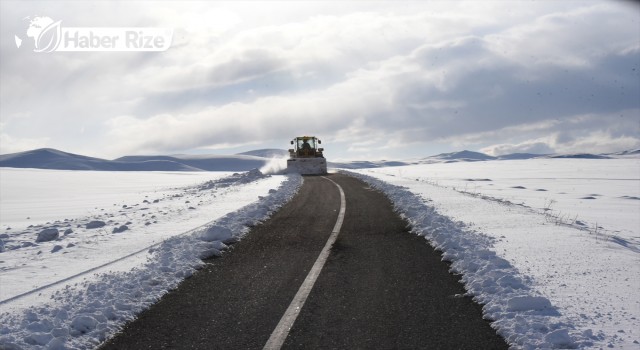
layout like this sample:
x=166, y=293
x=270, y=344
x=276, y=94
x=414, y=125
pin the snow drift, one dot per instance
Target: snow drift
x=82, y=315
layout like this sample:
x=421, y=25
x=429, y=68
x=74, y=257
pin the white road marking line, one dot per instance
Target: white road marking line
x=281, y=331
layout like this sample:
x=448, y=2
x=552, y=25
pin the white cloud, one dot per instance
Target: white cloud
x=535, y=147
x=599, y=142
x=9, y=144
x=588, y=133
x=594, y=142
x=568, y=39
x=364, y=75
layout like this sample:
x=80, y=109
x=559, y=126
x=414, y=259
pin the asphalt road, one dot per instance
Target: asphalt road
x=381, y=287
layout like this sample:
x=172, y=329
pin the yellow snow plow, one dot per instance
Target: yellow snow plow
x=306, y=157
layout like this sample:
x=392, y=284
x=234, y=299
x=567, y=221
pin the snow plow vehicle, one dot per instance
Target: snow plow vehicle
x=306, y=157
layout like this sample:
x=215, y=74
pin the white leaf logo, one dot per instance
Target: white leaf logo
x=49, y=38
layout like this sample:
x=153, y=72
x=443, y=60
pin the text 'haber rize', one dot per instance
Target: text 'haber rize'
x=132, y=40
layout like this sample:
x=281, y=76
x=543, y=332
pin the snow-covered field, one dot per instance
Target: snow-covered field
x=550, y=246
x=116, y=242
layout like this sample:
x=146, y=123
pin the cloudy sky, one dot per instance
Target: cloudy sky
x=374, y=80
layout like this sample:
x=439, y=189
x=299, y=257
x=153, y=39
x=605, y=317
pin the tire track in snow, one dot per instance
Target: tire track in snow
x=96, y=268
x=236, y=179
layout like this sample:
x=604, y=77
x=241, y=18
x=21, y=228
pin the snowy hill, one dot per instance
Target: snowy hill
x=266, y=153
x=463, y=156
x=635, y=153
x=365, y=164
x=514, y=156
x=471, y=156
x=202, y=162
x=47, y=158
x=580, y=156
x=149, y=165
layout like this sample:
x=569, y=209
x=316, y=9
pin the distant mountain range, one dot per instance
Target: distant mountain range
x=47, y=158
x=463, y=156
x=267, y=153
x=470, y=156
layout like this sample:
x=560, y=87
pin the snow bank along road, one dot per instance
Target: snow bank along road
x=381, y=286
